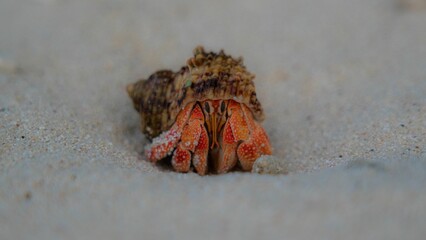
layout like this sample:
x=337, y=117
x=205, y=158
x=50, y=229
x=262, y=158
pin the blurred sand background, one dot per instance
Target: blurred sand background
x=343, y=84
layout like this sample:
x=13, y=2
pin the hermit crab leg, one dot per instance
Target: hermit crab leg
x=259, y=135
x=166, y=142
x=194, y=140
x=235, y=130
x=200, y=158
x=228, y=154
x=257, y=145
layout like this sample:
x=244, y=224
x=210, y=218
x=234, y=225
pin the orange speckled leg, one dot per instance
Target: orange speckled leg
x=199, y=160
x=194, y=140
x=259, y=135
x=257, y=144
x=181, y=160
x=227, y=155
x=167, y=141
x=247, y=154
x=261, y=140
x=235, y=130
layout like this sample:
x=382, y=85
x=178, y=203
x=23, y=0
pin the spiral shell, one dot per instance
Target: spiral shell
x=206, y=76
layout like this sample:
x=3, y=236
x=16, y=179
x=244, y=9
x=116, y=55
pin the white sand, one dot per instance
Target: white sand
x=343, y=84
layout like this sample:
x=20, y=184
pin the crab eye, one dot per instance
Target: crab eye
x=222, y=107
x=207, y=107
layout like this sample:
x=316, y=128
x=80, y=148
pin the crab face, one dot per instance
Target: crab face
x=215, y=118
x=206, y=115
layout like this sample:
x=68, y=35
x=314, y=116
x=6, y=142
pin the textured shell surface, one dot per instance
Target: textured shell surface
x=206, y=76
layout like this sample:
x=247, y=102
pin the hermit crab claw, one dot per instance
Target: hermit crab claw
x=189, y=140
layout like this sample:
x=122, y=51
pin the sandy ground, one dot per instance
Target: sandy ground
x=343, y=84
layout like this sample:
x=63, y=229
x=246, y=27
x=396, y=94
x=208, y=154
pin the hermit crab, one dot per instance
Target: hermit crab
x=206, y=115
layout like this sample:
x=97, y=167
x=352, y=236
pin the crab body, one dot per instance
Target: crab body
x=206, y=114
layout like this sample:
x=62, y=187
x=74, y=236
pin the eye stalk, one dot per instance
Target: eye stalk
x=207, y=107
x=222, y=107
x=214, y=113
